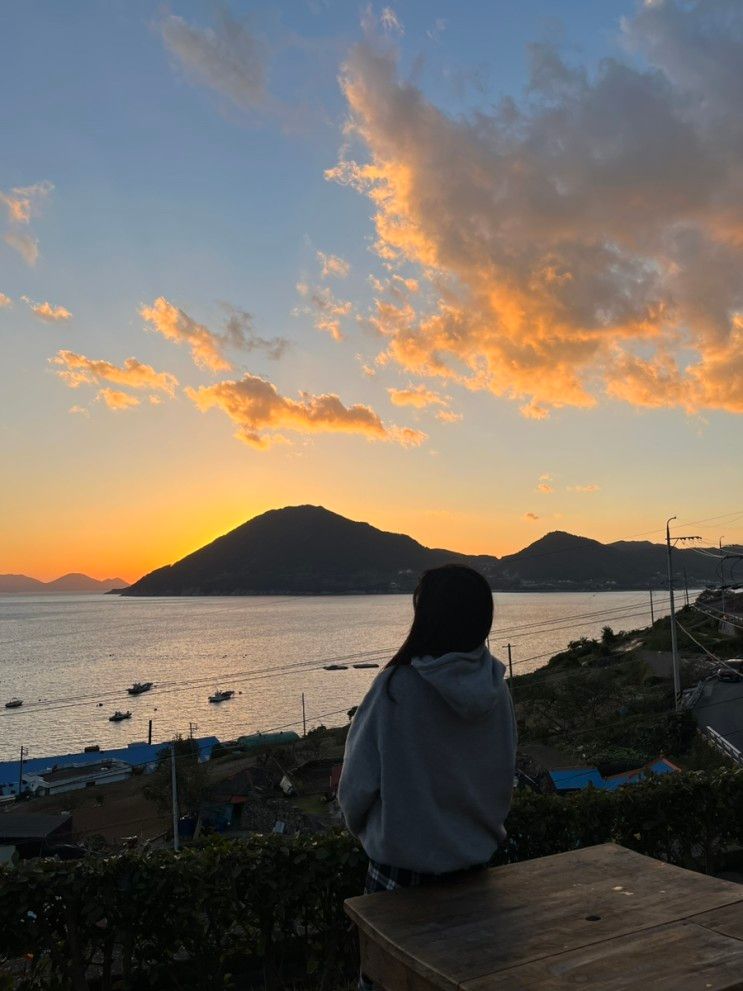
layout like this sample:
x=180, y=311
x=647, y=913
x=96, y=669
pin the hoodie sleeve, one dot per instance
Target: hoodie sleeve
x=360, y=781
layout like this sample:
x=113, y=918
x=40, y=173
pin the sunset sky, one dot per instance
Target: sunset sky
x=472, y=272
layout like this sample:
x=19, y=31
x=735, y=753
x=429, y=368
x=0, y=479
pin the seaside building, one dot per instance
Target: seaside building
x=76, y=777
x=137, y=755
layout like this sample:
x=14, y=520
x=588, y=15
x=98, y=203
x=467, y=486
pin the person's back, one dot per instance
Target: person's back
x=427, y=779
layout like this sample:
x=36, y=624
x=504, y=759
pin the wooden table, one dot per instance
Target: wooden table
x=602, y=919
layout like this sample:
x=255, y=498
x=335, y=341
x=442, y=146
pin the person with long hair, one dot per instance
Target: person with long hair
x=428, y=770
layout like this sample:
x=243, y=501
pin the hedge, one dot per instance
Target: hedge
x=268, y=910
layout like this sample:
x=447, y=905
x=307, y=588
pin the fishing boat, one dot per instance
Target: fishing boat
x=118, y=716
x=221, y=696
x=14, y=704
x=366, y=664
x=335, y=667
x=140, y=687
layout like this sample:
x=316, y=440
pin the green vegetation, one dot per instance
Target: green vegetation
x=267, y=911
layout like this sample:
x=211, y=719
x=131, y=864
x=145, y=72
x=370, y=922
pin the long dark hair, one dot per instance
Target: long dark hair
x=453, y=611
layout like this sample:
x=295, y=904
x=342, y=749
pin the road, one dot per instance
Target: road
x=721, y=707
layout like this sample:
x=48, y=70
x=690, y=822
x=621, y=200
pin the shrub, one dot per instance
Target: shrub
x=269, y=910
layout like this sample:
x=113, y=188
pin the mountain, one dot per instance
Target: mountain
x=23, y=585
x=309, y=550
x=302, y=550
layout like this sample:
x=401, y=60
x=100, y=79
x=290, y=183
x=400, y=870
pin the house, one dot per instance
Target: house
x=139, y=755
x=77, y=776
x=570, y=779
x=33, y=834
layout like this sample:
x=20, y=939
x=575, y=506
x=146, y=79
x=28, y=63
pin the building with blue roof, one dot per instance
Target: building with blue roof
x=567, y=779
x=143, y=755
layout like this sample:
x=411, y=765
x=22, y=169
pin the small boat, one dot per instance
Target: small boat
x=118, y=716
x=366, y=664
x=221, y=696
x=140, y=687
x=335, y=667
x=14, y=704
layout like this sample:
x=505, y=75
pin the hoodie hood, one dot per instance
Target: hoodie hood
x=470, y=683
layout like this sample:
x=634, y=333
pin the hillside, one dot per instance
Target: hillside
x=300, y=549
x=23, y=585
x=310, y=550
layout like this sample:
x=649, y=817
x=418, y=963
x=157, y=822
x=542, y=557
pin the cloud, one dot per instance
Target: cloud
x=332, y=265
x=47, y=312
x=449, y=416
x=544, y=484
x=25, y=244
x=228, y=59
x=117, y=400
x=530, y=516
x=259, y=410
x=77, y=370
x=390, y=21
x=586, y=240
x=208, y=347
x=22, y=203
x=584, y=489
x=79, y=410
x=5, y=301
x=326, y=308
x=416, y=395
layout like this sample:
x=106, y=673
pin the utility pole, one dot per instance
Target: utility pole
x=149, y=733
x=304, y=718
x=24, y=753
x=686, y=586
x=510, y=669
x=674, y=643
x=174, y=789
x=722, y=580
x=652, y=613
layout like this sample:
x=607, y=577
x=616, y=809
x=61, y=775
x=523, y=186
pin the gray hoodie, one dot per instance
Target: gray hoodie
x=428, y=773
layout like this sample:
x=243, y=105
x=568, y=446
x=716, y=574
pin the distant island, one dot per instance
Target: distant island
x=23, y=585
x=308, y=550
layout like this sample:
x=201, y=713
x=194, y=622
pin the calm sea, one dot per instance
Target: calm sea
x=71, y=658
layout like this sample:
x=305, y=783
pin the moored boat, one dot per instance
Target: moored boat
x=118, y=716
x=140, y=687
x=221, y=696
x=366, y=664
x=14, y=704
x=335, y=667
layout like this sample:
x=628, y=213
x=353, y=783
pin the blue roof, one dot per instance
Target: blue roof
x=134, y=753
x=577, y=778
x=572, y=778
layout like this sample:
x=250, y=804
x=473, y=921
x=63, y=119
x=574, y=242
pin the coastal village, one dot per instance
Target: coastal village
x=600, y=715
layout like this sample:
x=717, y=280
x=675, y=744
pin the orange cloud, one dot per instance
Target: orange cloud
x=80, y=410
x=23, y=202
x=416, y=395
x=47, y=312
x=207, y=346
x=530, y=516
x=178, y=327
x=585, y=489
x=258, y=410
x=77, y=370
x=326, y=307
x=332, y=265
x=544, y=484
x=556, y=254
x=449, y=416
x=5, y=301
x=117, y=400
